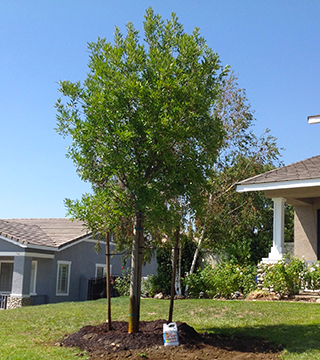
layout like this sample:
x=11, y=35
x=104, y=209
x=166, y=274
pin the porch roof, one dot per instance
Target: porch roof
x=52, y=232
x=305, y=173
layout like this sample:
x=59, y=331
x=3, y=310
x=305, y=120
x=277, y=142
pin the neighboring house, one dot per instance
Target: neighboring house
x=297, y=184
x=51, y=260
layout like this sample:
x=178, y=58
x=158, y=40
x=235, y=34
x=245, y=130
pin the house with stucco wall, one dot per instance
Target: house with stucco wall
x=297, y=184
x=51, y=260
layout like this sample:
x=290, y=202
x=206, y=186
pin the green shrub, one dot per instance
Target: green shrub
x=286, y=277
x=222, y=280
x=149, y=286
x=313, y=277
x=200, y=281
x=230, y=277
x=122, y=283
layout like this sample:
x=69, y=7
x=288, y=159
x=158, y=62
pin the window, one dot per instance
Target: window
x=6, y=272
x=101, y=270
x=63, y=277
x=33, y=277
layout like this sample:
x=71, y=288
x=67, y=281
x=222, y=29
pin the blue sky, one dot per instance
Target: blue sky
x=273, y=46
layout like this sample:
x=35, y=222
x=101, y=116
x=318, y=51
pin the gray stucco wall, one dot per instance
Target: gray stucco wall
x=305, y=232
x=7, y=246
x=83, y=260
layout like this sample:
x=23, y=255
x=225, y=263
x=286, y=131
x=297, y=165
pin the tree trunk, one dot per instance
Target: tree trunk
x=108, y=277
x=174, y=269
x=196, y=253
x=194, y=260
x=136, y=270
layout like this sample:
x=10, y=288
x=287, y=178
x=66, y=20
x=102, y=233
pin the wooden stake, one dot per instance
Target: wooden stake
x=108, y=275
x=136, y=271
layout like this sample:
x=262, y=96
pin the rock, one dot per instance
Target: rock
x=158, y=296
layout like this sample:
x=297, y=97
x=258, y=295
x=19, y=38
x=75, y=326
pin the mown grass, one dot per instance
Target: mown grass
x=32, y=332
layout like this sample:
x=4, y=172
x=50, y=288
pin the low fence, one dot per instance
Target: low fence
x=3, y=301
x=97, y=289
x=39, y=299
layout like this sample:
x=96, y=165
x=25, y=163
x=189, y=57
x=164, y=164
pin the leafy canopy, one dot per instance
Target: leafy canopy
x=141, y=123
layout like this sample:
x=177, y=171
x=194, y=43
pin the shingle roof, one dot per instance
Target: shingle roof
x=43, y=232
x=308, y=169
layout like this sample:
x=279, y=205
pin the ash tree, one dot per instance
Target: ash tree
x=142, y=131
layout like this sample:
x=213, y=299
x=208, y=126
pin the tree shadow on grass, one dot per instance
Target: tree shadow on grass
x=293, y=338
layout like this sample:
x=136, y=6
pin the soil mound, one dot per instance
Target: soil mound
x=148, y=343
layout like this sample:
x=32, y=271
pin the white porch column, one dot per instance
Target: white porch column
x=277, y=249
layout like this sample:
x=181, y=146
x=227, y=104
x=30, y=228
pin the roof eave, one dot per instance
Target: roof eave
x=278, y=185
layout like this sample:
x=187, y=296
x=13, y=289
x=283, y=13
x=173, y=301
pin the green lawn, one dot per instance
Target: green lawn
x=31, y=332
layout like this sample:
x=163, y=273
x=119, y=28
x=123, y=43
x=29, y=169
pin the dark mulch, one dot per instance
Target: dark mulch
x=148, y=343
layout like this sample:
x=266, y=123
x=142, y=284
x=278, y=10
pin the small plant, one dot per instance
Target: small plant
x=122, y=283
x=143, y=355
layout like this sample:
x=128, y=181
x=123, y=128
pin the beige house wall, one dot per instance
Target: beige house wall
x=305, y=231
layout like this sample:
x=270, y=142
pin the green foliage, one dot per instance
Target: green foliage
x=122, y=283
x=147, y=287
x=200, y=281
x=162, y=281
x=141, y=124
x=222, y=280
x=287, y=276
x=142, y=131
x=313, y=276
x=239, y=225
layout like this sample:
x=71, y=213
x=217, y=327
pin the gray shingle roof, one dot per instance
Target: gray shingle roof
x=308, y=169
x=43, y=232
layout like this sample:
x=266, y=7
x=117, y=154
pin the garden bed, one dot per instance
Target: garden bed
x=148, y=343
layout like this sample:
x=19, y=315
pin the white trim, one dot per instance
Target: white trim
x=12, y=241
x=39, y=255
x=313, y=119
x=33, y=291
x=31, y=246
x=49, y=248
x=293, y=184
x=19, y=295
x=87, y=239
x=62, y=262
x=103, y=266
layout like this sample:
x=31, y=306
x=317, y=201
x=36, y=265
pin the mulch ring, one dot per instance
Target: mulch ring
x=117, y=343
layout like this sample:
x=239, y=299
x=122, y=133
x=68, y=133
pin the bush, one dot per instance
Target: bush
x=122, y=283
x=149, y=286
x=222, y=280
x=286, y=277
x=200, y=281
x=313, y=277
